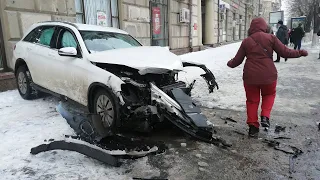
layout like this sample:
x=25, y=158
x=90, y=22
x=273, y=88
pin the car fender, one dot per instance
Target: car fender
x=102, y=78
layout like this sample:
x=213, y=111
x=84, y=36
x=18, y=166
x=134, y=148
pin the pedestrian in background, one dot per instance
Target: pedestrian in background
x=319, y=35
x=282, y=35
x=298, y=34
x=259, y=73
x=291, y=40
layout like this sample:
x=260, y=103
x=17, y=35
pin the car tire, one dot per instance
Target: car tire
x=106, y=104
x=23, y=80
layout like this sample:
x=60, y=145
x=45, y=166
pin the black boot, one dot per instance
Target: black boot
x=265, y=122
x=253, y=131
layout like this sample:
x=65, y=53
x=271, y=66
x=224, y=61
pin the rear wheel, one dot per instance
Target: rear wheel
x=106, y=106
x=23, y=79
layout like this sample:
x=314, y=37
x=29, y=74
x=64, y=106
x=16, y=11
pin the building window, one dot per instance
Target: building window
x=79, y=11
x=105, y=10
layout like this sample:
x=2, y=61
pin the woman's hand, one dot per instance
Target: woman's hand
x=303, y=52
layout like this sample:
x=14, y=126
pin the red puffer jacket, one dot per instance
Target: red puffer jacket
x=259, y=67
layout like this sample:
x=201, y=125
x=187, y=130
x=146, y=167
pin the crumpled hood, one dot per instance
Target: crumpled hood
x=145, y=59
x=258, y=25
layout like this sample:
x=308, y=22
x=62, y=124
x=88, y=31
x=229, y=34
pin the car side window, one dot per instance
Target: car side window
x=68, y=40
x=46, y=35
x=32, y=36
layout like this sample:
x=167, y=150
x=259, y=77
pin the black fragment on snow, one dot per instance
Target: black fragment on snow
x=80, y=148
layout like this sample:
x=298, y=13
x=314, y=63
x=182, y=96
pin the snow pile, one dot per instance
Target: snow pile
x=231, y=94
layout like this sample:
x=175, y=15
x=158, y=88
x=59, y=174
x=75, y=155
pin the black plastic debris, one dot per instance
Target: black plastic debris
x=288, y=149
x=318, y=125
x=94, y=153
x=281, y=137
x=226, y=119
x=135, y=178
x=279, y=129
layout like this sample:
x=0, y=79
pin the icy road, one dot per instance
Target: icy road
x=25, y=124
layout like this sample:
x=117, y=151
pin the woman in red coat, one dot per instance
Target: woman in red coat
x=259, y=73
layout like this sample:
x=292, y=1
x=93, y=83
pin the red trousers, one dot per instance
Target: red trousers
x=268, y=93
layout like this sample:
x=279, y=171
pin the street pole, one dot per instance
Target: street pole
x=218, y=21
x=259, y=10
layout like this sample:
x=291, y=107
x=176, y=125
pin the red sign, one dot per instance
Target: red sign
x=156, y=19
x=235, y=5
x=195, y=26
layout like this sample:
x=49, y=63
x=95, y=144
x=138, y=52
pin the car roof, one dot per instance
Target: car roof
x=83, y=27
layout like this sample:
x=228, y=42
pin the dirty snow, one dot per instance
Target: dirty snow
x=25, y=124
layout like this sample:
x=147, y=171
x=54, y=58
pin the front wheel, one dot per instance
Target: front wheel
x=23, y=79
x=105, y=105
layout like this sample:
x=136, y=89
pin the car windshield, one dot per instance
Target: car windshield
x=97, y=41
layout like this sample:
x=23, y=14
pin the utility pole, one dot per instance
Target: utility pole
x=316, y=22
x=259, y=8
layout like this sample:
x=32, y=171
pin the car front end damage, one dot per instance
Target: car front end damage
x=153, y=95
x=149, y=99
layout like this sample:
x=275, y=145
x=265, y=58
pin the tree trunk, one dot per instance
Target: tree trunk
x=309, y=19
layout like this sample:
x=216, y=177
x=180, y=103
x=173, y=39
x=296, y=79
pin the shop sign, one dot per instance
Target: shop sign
x=156, y=18
x=101, y=18
x=195, y=26
x=235, y=5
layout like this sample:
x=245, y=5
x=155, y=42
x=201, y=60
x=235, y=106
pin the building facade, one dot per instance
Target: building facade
x=181, y=25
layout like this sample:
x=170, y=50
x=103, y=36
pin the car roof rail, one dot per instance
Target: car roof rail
x=65, y=22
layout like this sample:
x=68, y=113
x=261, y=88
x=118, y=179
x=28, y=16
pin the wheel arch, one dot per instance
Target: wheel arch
x=96, y=86
x=19, y=62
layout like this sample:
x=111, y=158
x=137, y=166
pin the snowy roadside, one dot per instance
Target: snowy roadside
x=25, y=124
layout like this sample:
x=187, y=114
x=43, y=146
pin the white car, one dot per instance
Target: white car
x=107, y=71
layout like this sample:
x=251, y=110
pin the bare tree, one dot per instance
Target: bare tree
x=310, y=9
x=302, y=8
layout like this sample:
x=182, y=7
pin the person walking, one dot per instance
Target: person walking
x=259, y=73
x=298, y=34
x=291, y=40
x=282, y=35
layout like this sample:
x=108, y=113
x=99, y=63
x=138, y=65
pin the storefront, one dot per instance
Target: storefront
x=159, y=24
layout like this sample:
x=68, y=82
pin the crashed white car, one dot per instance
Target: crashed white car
x=110, y=73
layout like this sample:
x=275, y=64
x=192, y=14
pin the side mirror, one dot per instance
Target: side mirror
x=68, y=51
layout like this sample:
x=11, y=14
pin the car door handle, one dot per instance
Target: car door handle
x=29, y=48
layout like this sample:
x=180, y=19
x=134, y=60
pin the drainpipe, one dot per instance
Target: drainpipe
x=218, y=21
x=190, y=26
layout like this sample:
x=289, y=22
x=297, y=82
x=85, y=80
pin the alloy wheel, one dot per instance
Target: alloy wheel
x=105, y=109
x=22, y=82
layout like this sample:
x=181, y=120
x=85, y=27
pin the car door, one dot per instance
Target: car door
x=29, y=46
x=43, y=59
x=73, y=72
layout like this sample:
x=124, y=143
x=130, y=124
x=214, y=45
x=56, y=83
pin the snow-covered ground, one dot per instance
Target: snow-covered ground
x=25, y=124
